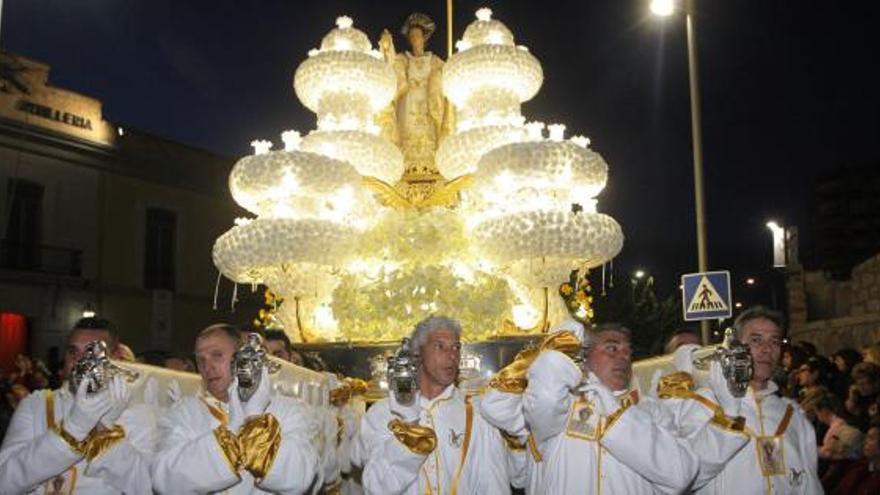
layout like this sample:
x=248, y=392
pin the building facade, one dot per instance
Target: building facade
x=96, y=217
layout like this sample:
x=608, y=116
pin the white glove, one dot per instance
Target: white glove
x=174, y=392
x=86, y=411
x=603, y=396
x=151, y=392
x=120, y=396
x=718, y=384
x=655, y=383
x=236, y=410
x=258, y=402
x=407, y=414
x=683, y=358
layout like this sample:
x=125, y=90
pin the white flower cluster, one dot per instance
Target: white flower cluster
x=369, y=154
x=482, y=70
x=485, y=31
x=303, y=279
x=345, y=38
x=489, y=76
x=490, y=107
x=544, y=174
x=352, y=75
x=459, y=153
x=345, y=111
x=584, y=238
x=429, y=237
x=390, y=307
x=244, y=251
x=262, y=183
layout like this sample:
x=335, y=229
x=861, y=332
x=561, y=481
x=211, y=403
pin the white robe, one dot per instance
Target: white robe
x=503, y=410
x=633, y=454
x=349, y=417
x=742, y=474
x=33, y=455
x=189, y=459
x=391, y=468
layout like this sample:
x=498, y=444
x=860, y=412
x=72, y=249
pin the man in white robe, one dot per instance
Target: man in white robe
x=778, y=453
x=215, y=443
x=596, y=435
x=440, y=444
x=64, y=442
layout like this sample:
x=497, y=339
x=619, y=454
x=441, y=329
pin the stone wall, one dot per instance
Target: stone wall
x=853, y=307
x=834, y=334
x=865, y=295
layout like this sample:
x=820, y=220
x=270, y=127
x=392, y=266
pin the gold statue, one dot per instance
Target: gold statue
x=418, y=117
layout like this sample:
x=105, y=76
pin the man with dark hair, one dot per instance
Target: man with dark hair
x=682, y=336
x=778, y=452
x=277, y=343
x=596, y=434
x=219, y=441
x=79, y=442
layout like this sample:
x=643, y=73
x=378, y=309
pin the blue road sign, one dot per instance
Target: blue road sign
x=706, y=296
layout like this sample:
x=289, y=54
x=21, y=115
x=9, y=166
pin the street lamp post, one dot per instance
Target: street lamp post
x=666, y=8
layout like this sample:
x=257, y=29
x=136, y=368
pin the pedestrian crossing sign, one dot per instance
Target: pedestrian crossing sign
x=706, y=296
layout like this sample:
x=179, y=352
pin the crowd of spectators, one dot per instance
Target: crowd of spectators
x=840, y=394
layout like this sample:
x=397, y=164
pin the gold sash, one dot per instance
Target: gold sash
x=469, y=420
x=64, y=483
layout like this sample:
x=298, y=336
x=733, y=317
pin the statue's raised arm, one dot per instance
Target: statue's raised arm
x=386, y=46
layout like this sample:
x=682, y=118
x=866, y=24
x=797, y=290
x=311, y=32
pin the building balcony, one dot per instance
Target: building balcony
x=50, y=260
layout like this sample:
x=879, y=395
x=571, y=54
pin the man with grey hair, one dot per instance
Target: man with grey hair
x=596, y=434
x=437, y=444
x=775, y=451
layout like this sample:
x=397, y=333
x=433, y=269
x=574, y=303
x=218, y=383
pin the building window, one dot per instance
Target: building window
x=24, y=225
x=159, y=250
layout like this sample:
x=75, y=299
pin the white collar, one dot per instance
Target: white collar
x=769, y=390
x=447, y=393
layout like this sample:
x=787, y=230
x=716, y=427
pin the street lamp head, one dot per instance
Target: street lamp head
x=773, y=226
x=750, y=281
x=663, y=8
x=779, y=249
x=639, y=273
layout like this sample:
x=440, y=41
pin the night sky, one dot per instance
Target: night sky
x=789, y=91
